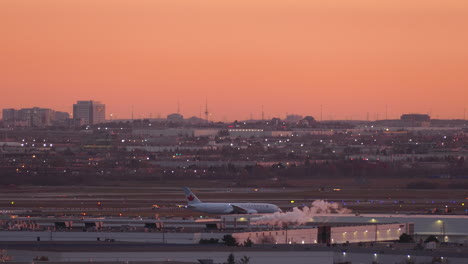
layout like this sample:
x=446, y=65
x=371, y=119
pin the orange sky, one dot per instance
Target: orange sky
x=351, y=56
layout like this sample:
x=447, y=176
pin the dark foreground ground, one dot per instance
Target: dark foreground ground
x=389, y=248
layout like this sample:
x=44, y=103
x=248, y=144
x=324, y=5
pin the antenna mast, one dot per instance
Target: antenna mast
x=206, y=111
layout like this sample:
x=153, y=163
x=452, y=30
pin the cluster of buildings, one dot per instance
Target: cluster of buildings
x=85, y=144
x=33, y=117
x=147, y=148
x=84, y=113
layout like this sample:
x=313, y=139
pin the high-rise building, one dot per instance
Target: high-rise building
x=89, y=112
x=10, y=114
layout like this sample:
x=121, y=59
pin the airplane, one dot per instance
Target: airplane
x=227, y=208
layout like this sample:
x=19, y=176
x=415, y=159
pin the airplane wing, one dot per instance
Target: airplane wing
x=240, y=210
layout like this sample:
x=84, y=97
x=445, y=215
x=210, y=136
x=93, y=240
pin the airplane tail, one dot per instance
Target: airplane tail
x=190, y=196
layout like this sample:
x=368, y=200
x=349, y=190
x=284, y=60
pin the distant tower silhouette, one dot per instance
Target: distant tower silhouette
x=321, y=112
x=206, y=111
x=263, y=114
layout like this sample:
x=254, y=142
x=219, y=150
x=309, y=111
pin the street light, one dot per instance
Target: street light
x=442, y=227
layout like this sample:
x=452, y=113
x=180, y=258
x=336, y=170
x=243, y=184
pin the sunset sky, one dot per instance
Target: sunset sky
x=352, y=56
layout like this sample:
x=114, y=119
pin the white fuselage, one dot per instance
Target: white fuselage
x=227, y=208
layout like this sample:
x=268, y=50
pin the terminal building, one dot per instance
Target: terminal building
x=320, y=228
x=192, y=231
x=330, y=237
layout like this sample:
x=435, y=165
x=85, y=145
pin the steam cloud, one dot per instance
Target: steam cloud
x=300, y=216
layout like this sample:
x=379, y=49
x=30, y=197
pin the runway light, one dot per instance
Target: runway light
x=292, y=201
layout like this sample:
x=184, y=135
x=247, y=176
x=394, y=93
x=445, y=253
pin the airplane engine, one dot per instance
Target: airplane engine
x=251, y=211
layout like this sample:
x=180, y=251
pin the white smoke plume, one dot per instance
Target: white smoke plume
x=300, y=216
